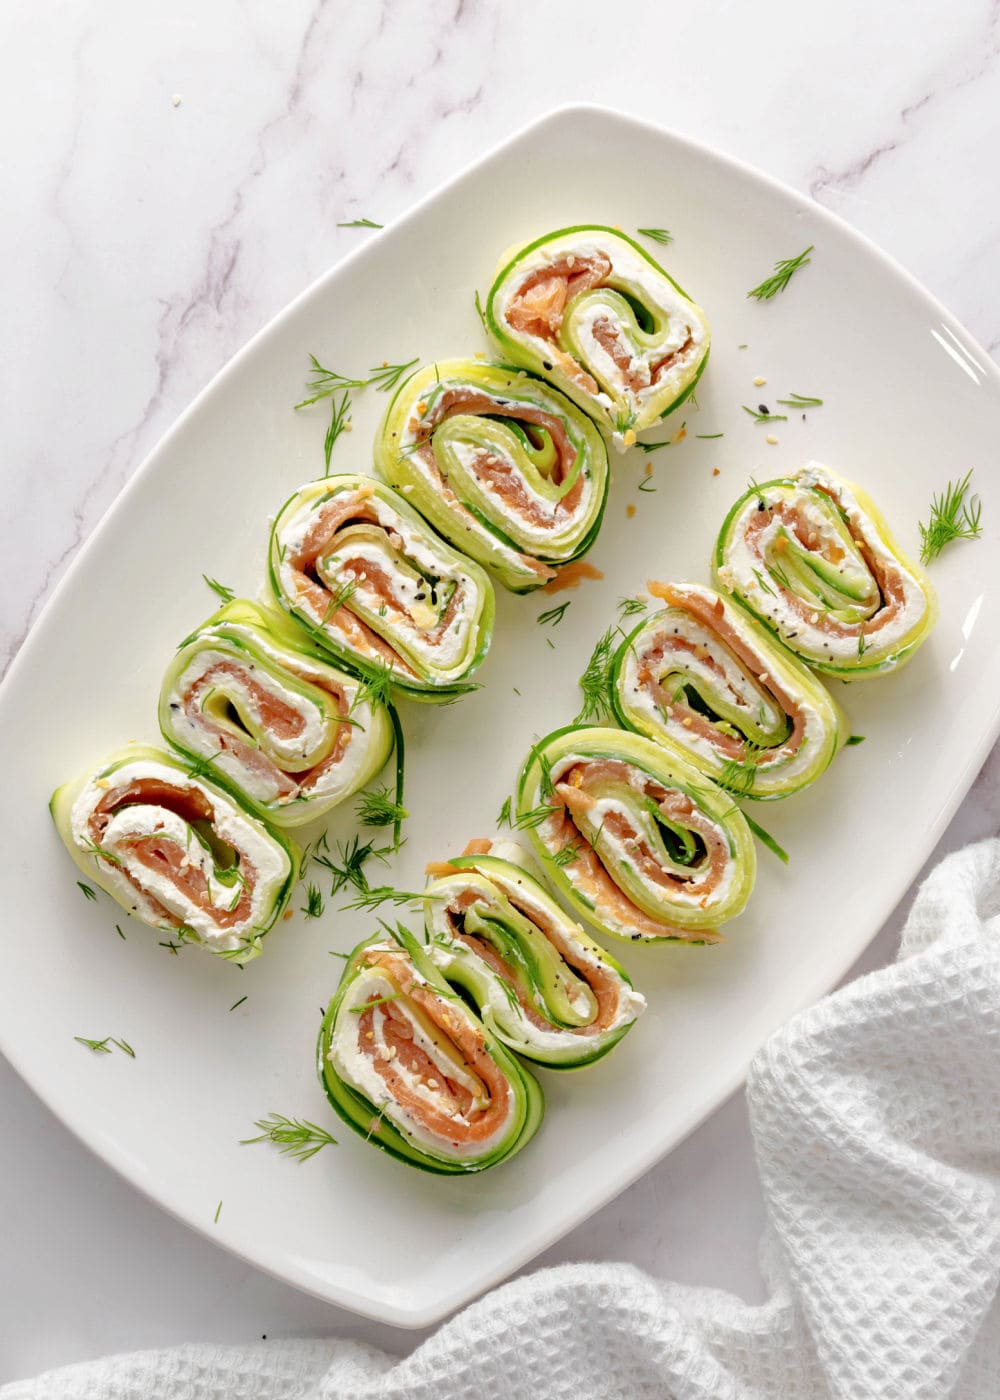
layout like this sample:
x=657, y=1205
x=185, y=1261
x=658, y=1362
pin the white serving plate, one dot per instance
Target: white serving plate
x=910, y=400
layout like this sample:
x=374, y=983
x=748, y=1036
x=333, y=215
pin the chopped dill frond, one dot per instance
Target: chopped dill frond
x=294, y=1137
x=784, y=270
x=952, y=518
x=226, y=594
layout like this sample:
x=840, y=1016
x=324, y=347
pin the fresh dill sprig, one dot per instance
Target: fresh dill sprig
x=566, y=855
x=763, y=583
x=784, y=270
x=237, y=1003
x=646, y=485
x=172, y=947
x=952, y=518
x=376, y=807
x=325, y=382
x=375, y=1001
x=218, y=1212
x=348, y=869
x=630, y=607
x=780, y=577
x=374, y=896
x=386, y=376
x=226, y=594
x=118, y=930
x=596, y=681
x=533, y=817
x=294, y=1137
x=481, y=314
x=103, y=1047
x=313, y=906
x=200, y=767
x=86, y=890
x=739, y=775
x=854, y=740
x=553, y=615
x=657, y=235
x=759, y=417
x=344, y=593
x=503, y=819
x=652, y=446
x=801, y=401
x=340, y=422
x=375, y=688
x=766, y=839
x=361, y=223
x=862, y=645
x=709, y=437
x=625, y=419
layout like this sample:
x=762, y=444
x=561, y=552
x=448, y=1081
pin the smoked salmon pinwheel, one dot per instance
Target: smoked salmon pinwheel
x=377, y=588
x=252, y=698
x=811, y=556
x=703, y=677
x=590, y=310
x=176, y=851
x=640, y=843
x=539, y=982
x=409, y=1067
x=501, y=464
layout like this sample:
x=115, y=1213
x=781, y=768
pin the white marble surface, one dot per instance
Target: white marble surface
x=147, y=238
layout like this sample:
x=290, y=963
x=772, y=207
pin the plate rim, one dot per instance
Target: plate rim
x=444, y=1304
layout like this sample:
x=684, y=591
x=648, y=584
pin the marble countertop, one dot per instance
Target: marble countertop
x=179, y=176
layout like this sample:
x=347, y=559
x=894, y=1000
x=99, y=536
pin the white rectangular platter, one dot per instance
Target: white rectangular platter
x=909, y=401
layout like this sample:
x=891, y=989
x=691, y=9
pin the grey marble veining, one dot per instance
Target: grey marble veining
x=149, y=239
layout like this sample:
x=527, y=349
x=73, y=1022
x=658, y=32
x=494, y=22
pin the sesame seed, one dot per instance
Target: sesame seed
x=630, y=511
x=629, y=438
x=772, y=439
x=715, y=471
x=760, y=380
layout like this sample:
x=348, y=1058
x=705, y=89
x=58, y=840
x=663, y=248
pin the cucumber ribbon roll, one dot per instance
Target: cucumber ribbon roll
x=590, y=310
x=177, y=851
x=811, y=556
x=409, y=1067
x=251, y=696
x=640, y=843
x=376, y=587
x=705, y=679
x=501, y=464
x=541, y=985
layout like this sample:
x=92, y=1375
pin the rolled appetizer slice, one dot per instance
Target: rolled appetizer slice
x=640, y=843
x=811, y=556
x=378, y=589
x=704, y=678
x=501, y=464
x=251, y=696
x=409, y=1067
x=541, y=984
x=590, y=310
x=176, y=851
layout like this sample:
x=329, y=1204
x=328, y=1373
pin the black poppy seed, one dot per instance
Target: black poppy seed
x=763, y=408
x=546, y=364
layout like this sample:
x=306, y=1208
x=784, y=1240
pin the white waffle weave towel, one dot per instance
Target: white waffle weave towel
x=876, y=1116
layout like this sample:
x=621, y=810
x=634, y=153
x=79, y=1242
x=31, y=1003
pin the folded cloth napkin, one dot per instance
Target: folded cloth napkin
x=876, y=1116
